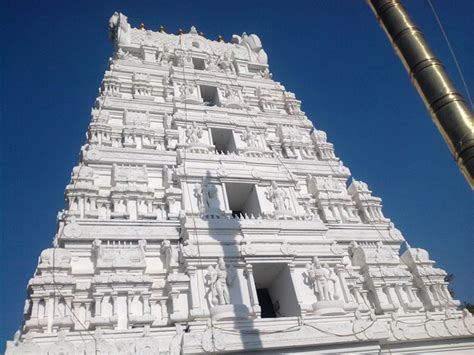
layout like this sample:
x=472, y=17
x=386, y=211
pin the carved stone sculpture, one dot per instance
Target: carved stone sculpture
x=278, y=197
x=323, y=280
x=225, y=63
x=218, y=281
x=193, y=133
x=250, y=138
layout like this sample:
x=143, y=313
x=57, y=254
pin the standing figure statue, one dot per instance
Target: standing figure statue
x=198, y=193
x=193, y=133
x=218, y=281
x=209, y=192
x=323, y=280
x=171, y=254
x=278, y=196
x=250, y=138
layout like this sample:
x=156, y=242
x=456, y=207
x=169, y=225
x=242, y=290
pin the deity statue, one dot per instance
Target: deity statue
x=186, y=89
x=323, y=280
x=198, y=194
x=278, y=196
x=225, y=63
x=265, y=73
x=210, y=193
x=185, y=59
x=193, y=133
x=229, y=94
x=218, y=281
x=250, y=138
x=170, y=252
x=205, y=193
x=211, y=63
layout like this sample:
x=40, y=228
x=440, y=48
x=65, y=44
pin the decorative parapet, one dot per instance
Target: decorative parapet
x=389, y=282
x=111, y=85
x=324, y=149
x=333, y=201
x=51, y=292
x=431, y=281
x=82, y=194
x=370, y=207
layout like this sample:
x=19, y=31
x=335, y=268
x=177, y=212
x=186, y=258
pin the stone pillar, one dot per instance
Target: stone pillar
x=98, y=305
x=114, y=303
x=146, y=304
x=164, y=310
x=209, y=130
x=226, y=200
x=252, y=290
x=34, y=307
x=194, y=291
x=392, y=295
x=49, y=311
x=176, y=315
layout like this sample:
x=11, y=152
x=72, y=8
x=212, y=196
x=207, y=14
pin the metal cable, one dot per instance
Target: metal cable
x=451, y=50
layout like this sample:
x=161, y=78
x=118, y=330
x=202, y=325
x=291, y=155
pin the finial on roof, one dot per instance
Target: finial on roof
x=180, y=31
x=220, y=38
x=201, y=34
x=142, y=26
x=162, y=29
x=193, y=30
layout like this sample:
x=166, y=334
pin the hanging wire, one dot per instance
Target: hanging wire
x=458, y=67
x=186, y=177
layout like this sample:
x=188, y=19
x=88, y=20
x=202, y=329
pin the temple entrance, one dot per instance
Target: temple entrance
x=275, y=290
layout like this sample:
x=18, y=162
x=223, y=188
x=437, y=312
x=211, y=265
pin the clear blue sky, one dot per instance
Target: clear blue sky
x=332, y=54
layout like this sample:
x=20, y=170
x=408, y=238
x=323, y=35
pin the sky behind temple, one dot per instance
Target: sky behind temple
x=332, y=54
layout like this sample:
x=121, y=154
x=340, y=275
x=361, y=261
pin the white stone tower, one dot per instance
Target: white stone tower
x=207, y=214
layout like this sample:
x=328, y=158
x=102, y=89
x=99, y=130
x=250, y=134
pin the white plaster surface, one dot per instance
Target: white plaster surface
x=149, y=257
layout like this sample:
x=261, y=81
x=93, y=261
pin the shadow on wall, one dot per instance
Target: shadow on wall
x=227, y=283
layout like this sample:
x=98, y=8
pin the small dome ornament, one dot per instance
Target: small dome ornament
x=162, y=29
x=180, y=31
x=220, y=38
x=142, y=26
x=202, y=34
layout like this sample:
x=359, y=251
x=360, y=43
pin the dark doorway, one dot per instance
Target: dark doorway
x=266, y=303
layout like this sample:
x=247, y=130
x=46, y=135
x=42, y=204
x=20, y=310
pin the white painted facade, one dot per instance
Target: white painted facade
x=204, y=188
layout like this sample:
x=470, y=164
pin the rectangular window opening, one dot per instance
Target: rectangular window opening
x=223, y=140
x=209, y=95
x=199, y=63
x=243, y=199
